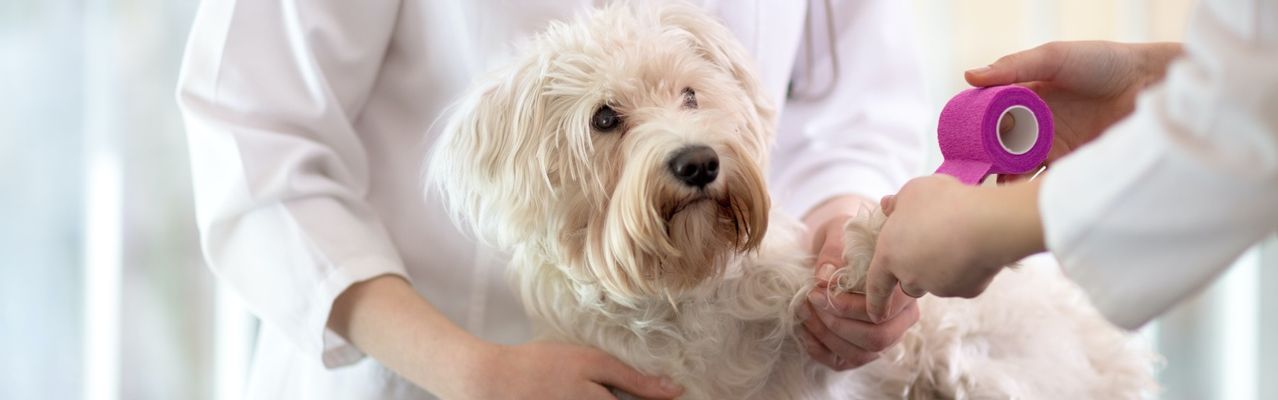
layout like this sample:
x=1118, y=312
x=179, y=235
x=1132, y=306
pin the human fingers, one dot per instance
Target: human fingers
x=597, y=392
x=609, y=371
x=818, y=351
x=830, y=254
x=842, y=305
x=1037, y=64
x=813, y=346
x=852, y=305
x=897, y=302
x=888, y=204
x=869, y=337
x=966, y=288
x=818, y=240
x=846, y=354
x=866, y=336
x=879, y=284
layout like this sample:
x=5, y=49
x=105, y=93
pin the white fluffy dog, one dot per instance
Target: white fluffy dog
x=621, y=161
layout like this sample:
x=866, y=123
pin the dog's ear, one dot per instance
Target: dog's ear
x=487, y=164
x=717, y=44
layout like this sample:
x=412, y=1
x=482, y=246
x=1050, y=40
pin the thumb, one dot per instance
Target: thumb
x=1037, y=64
x=879, y=285
x=613, y=373
x=888, y=204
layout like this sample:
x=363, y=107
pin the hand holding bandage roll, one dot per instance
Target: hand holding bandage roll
x=973, y=146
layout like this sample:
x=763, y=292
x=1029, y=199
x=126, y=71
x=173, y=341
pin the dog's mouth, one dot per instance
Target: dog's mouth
x=716, y=210
x=689, y=202
x=701, y=201
x=695, y=201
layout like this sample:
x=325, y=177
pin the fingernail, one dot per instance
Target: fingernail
x=979, y=70
x=669, y=385
x=825, y=272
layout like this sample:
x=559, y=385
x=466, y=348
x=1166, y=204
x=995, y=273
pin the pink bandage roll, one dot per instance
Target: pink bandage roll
x=970, y=140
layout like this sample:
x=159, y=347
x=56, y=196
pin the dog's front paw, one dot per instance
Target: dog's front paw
x=859, y=237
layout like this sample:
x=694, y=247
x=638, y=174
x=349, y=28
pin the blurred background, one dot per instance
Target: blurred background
x=103, y=294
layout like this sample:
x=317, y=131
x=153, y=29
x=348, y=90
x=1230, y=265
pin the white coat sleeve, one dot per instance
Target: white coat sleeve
x=269, y=90
x=865, y=136
x=1168, y=198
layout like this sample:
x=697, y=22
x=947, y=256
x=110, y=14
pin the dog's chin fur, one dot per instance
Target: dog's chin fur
x=702, y=283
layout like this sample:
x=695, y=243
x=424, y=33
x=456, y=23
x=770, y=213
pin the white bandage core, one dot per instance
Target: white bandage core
x=1024, y=132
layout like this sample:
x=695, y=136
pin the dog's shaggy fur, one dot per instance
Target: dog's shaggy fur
x=701, y=282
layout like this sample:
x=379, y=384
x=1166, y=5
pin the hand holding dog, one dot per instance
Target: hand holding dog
x=561, y=371
x=389, y=320
x=837, y=331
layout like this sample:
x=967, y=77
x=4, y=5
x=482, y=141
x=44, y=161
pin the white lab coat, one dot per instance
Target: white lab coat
x=1165, y=200
x=308, y=122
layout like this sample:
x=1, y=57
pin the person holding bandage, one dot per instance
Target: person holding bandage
x=1164, y=169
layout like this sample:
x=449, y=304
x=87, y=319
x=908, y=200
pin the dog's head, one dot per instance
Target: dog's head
x=628, y=147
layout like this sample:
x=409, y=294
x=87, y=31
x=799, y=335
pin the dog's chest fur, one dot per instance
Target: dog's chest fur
x=732, y=337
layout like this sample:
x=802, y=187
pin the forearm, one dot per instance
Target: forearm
x=388, y=320
x=848, y=204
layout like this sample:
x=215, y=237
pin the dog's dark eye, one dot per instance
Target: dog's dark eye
x=689, y=98
x=605, y=119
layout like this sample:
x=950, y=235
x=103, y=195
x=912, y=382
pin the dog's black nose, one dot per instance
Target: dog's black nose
x=695, y=165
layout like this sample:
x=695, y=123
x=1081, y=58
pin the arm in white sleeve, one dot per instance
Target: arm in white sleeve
x=864, y=136
x=1168, y=198
x=269, y=90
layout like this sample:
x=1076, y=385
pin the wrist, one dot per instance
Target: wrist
x=1029, y=223
x=841, y=205
x=1015, y=221
x=469, y=375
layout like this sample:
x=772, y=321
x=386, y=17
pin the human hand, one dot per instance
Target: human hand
x=948, y=239
x=389, y=320
x=837, y=331
x=1089, y=85
x=548, y=370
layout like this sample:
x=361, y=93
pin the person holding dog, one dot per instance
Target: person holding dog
x=307, y=124
x=1163, y=171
